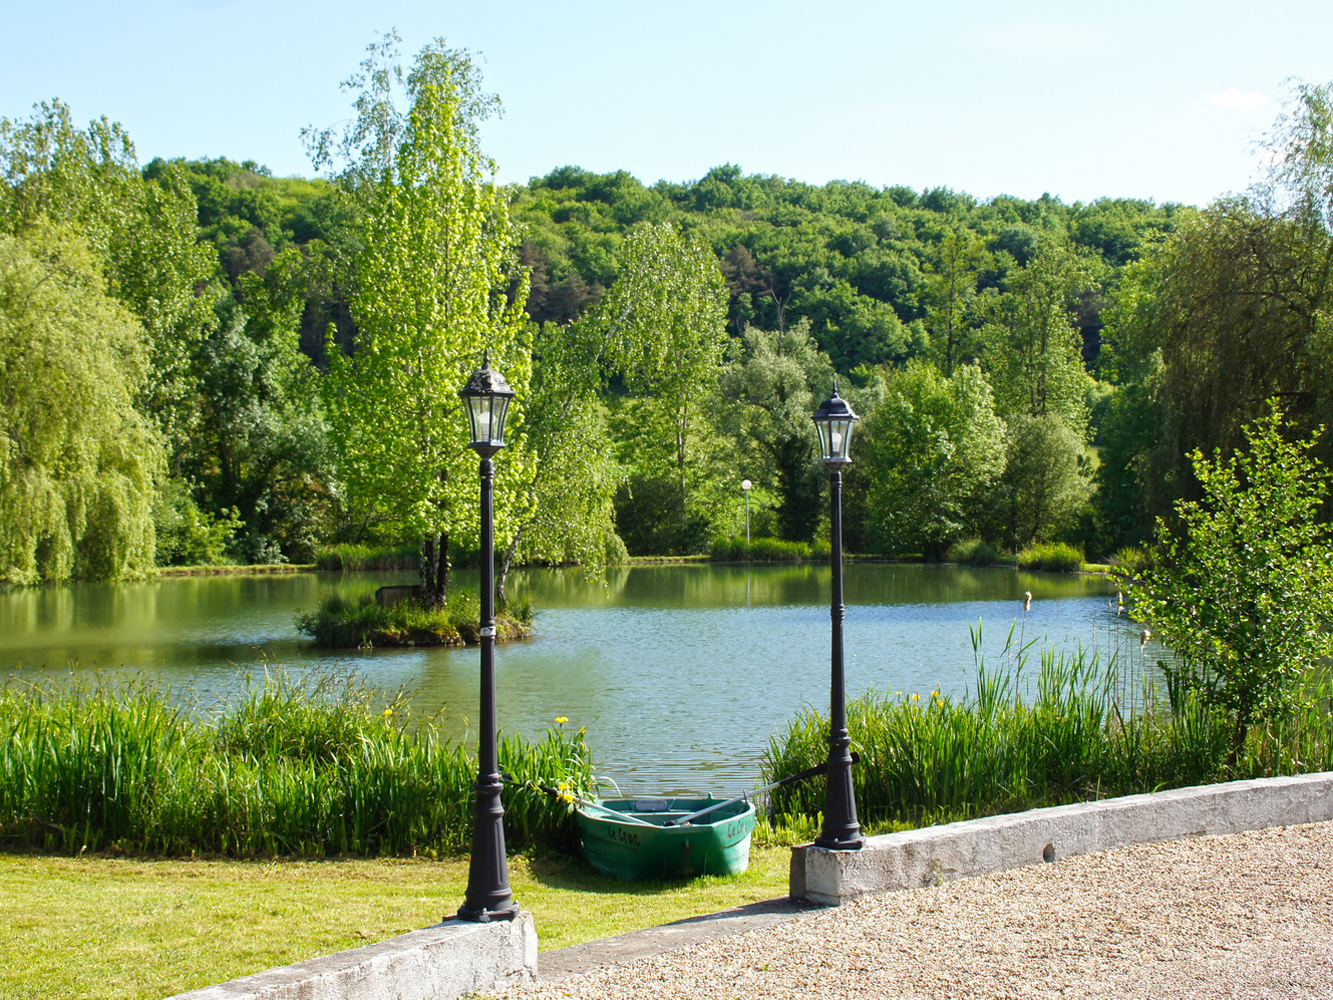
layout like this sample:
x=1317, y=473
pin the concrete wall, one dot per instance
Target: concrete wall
x=438, y=963
x=974, y=847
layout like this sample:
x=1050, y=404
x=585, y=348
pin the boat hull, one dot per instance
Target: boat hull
x=640, y=846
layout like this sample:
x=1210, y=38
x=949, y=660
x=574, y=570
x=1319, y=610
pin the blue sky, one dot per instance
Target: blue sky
x=1163, y=100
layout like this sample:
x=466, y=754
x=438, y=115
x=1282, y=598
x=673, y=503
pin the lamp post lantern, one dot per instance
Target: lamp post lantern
x=488, y=897
x=841, y=832
x=745, y=485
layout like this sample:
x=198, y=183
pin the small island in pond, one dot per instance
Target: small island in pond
x=395, y=616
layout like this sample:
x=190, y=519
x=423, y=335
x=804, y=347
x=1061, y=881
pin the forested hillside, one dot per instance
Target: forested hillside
x=193, y=353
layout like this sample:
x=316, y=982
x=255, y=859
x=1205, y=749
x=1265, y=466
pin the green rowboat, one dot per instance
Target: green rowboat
x=644, y=838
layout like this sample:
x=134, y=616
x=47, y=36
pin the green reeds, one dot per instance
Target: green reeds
x=362, y=558
x=313, y=769
x=1053, y=557
x=768, y=550
x=931, y=758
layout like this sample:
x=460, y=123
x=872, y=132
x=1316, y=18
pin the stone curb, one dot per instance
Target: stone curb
x=929, y=856
x=438, y=963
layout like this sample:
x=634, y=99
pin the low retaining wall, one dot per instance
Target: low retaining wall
x=438, y=963
x=937, y=854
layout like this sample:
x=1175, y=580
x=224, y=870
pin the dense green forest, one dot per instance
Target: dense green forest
x=201, y=362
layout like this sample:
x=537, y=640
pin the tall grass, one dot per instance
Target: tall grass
x=1054, y=557
x=972, y=552
x=767, y=550
x=931, y=758
x=294, y=768
x=348, y=557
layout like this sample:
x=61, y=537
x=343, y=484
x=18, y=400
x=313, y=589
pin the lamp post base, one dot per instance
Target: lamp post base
x=482, y=915
x=841, y=830
x=842, y=840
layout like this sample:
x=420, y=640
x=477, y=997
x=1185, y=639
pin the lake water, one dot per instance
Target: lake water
x=681, y=674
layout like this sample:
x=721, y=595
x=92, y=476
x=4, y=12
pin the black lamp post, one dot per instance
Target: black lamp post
x=487, y=397
x=746, y=485
x=841, y=831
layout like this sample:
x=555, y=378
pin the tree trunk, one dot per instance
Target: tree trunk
x=1238, y=737
x=434, y=587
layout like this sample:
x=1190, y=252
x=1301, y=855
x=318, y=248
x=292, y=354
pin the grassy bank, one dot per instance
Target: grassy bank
x=237, y=569
x=100, y=928
x=929, y=758
x=340, y=623
x=327, y=768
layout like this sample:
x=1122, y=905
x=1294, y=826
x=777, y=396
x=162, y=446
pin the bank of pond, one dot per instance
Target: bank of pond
x=320, y=767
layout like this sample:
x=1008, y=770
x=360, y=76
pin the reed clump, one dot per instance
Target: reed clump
x=766, y=550
x=1051, y=557
x=352, y=558
x=308, y=768
x=930, y=758
x=973, y=552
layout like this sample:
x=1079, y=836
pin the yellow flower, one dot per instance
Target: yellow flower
x=915, y=696
x=388, y=712
x=560, y=720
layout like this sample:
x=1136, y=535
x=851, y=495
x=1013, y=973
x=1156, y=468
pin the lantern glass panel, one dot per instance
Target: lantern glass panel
x=834, y=439
x=487, y=417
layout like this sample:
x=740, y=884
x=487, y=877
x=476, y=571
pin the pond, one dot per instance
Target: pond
x=681, y=674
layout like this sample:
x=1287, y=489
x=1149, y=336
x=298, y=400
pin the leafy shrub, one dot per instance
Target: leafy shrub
x=972, y=552
x=1243, y=590
x=186, y=536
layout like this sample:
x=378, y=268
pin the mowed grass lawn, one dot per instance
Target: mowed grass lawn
x=96, y=927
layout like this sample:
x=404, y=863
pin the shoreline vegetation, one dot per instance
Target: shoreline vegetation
x=298, y=767
x=327, y=766
x=1083, y=733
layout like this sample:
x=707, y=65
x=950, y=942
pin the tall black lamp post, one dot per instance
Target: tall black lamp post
x=487, y=397
x=841, y=831
x=746, y=485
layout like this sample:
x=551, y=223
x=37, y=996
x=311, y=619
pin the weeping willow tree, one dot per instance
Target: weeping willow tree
x=141, y=237
x=77, y=460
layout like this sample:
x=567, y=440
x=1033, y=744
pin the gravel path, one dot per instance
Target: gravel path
x=1247, y=915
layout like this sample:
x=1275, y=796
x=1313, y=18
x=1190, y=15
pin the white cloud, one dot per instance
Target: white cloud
x=1235, y=99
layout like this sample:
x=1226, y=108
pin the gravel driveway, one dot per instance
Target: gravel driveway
x=1246, y=915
